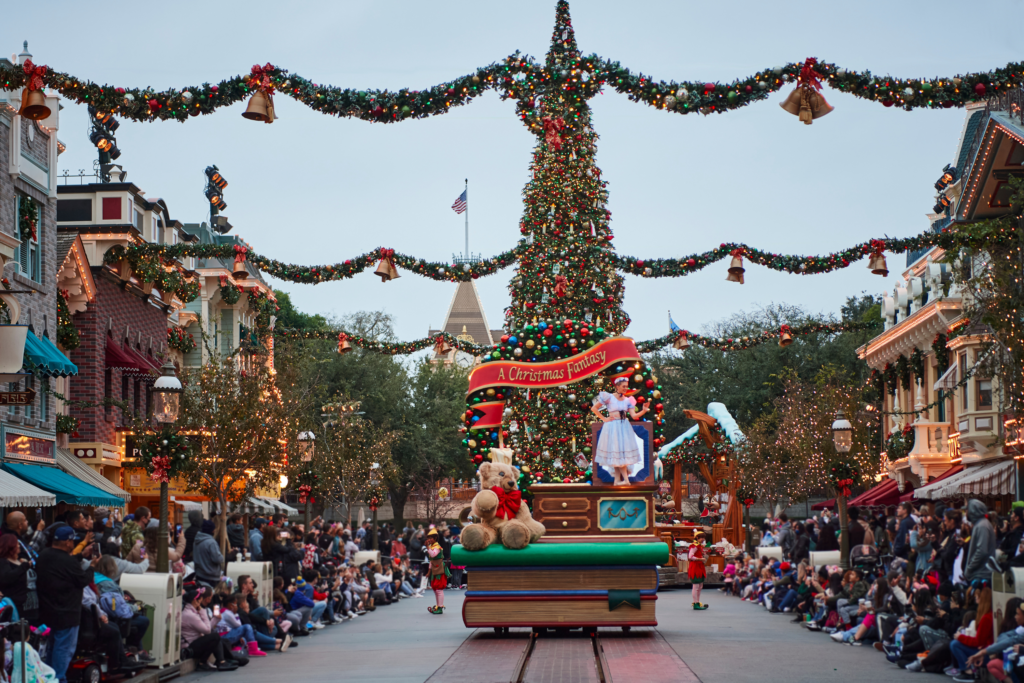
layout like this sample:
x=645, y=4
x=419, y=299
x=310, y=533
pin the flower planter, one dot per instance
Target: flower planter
x=12, y=347
x=147, y=287
x=167, y=296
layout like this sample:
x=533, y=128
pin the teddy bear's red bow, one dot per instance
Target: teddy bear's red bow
x=509, y=502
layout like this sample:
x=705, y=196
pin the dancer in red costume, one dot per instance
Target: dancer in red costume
x=697, y=558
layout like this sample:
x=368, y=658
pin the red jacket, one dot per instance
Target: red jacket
x=984, y=637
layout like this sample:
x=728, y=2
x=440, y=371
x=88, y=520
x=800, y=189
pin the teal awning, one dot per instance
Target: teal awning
x=66, y=488
x=42, y=355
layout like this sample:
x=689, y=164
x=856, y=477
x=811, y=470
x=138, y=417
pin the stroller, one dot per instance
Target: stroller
x=865, y=558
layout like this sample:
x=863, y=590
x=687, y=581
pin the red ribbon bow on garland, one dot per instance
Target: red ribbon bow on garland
x=240, y=253
x=260, y=78
x=305, y=492
x=161, y=469
x=509, y=502
x=785, y=330
x=843, y=486
x=808, y=77
x=342, y=338
x=736, y=252
x=747, y=502
x=561, y=282
x=35, y=75
x=877, y=247
x=552, y=129
x=223, y=280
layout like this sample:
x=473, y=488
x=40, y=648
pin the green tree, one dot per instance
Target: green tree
x=290, y=317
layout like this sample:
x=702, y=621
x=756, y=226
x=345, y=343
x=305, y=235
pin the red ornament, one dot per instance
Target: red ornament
x=650, y=383
x=709, y=87
x=660, y=407
x=979, y=89
x=477, y=459
x=153, y=105
x=691, y=262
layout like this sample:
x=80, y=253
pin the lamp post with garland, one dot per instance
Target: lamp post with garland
x=166, y=393
x=842, y=439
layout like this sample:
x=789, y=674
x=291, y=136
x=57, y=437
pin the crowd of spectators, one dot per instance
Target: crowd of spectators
x=918, y=589
x=64, y=579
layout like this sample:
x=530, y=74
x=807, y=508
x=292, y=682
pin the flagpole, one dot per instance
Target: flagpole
x=467, y=218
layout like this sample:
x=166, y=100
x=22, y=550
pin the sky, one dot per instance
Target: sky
x=315, y=189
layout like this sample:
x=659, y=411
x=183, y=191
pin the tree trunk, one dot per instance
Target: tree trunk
x=373, y=526
x=220, y=529
x=399, y=496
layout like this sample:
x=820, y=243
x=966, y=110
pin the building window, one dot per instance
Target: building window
x=984, y=399
x=942, y=406
x=962, y=363
x=44, y=399
x=27, y=256
x=30, y=385
x=111, y=208
x=136, y=397
x=12, y=386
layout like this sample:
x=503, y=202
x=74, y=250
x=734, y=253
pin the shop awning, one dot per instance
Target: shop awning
x=923, y=491
x=254, y=504
x=148, y=366
x=279, y=506
x=67, y=461
x=41, y=355
x=948, y=379
x=824, y=505
x=879, y=491
x=63, y=486
x=991, y=480
x=188, y=505
x=15, y=493
x=119, y=359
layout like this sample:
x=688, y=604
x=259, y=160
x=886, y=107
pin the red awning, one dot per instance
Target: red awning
x=148, y=366
x=824, y=505
x=886, y=494
x=118, y=358
x=955, y=469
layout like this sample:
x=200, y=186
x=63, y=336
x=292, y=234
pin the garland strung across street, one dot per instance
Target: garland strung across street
x=145, y=259
x=519, y=77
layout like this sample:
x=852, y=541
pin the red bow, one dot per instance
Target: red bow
x=342, y=337
x=844, y=486
x=35, y=75
x=161, y=469
x=509, y=502
x=877, y=246
x=304, y=493
x=223, y=280
x=561, y=282
x=260, y=77
x=552, y=128
x=808, y=76
x=736, y=252
x=785, y=330
x=748, y=502
x=240, y=253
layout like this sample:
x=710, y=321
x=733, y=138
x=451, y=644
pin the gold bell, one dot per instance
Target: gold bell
x=442, y=347
x=736, y=270
x=877, y=265
x=260, y=108
x=785, y=338
x=344, y=346
x=807, y=104
x=681, y=343
x=386, y=271
x=33, y=105
x=240, y=273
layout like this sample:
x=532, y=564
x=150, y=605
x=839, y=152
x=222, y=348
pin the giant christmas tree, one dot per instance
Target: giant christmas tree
x=566, y=294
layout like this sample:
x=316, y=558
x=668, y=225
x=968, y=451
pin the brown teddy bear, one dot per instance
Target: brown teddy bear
x=499, y=506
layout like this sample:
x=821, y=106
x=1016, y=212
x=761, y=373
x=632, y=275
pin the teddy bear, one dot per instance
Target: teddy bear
x=500, y=508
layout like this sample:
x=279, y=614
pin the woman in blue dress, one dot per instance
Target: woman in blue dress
x=616, y=446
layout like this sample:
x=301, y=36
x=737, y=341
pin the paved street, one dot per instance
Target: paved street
x=733, y=642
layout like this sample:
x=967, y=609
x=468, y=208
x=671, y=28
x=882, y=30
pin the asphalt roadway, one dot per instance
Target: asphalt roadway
x=732, y=642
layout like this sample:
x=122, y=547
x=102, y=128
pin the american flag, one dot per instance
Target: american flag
x=461, y=203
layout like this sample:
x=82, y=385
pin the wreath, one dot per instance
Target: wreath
x=28, y=218
x=229, y=293
x=181, y=340
x=164, y=454
x=842, y=477
x=747, y=497
x=188, y=290
x=694, y=451
x=899, y=444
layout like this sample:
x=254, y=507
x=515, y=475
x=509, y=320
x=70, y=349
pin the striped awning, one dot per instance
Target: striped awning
x=253, y=504
x=15, y=493
x=279, y=506
x=995, y=479
x=188, y=505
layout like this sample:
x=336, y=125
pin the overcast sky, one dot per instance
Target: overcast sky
x=317, y=189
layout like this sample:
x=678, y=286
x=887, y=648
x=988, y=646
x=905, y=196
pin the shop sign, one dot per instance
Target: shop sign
x=29, y=448
x=17, y=398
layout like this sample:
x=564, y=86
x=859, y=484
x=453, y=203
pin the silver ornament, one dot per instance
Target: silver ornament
x=670, y=101
x=186, y=96
x=517, y=352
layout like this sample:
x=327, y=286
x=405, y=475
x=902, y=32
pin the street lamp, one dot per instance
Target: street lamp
x=842, y=439
x=166, y=406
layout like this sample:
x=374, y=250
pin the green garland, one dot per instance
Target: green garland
x=67, y=333
x=917, y=365
x=181, y=340
x=28, y=218
x=164, y=454
x=386, y=348
x=890, y=378
x=694, y=451
x=842, y=476
x=230, y=293
x=899, y=444
x=520, y=78
x=903, y=372
x=67, y=424
x=744, y=343
x=145, y=259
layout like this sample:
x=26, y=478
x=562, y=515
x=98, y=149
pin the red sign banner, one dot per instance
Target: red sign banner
x=553, y=373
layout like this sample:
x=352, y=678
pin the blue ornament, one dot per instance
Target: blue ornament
x=543, y=326
x=555, y=349
x=476, y=418
x=512, y=341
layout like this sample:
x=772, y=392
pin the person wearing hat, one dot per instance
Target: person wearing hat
x=616, y=446
x=696, y=559
x=438, y=572
x=60, y=582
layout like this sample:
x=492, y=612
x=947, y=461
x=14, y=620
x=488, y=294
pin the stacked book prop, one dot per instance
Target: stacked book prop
x=562, y=584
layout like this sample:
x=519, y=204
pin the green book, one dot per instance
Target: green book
x=563, y=554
